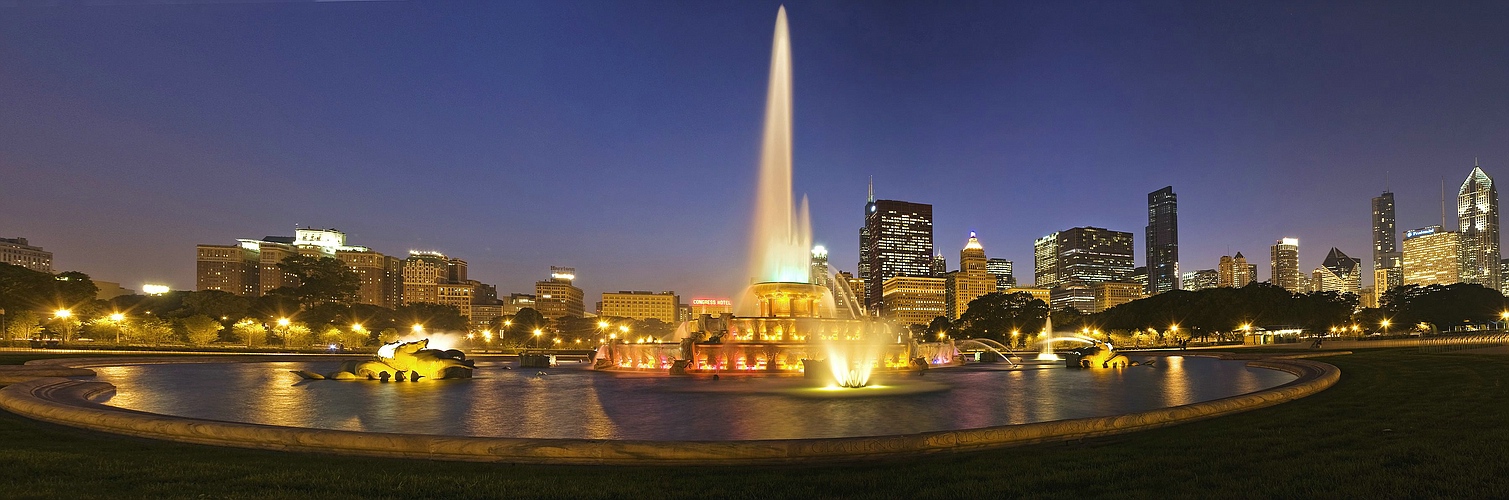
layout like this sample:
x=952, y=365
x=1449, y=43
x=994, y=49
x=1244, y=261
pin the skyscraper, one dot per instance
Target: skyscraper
x=1001, y=269
x=1284, y=265
x=1075, y=258
x=897, y=240
x=1339, y=273
x=1386, y=254
x=557, y=297
x=1235, y=272
x=819, y=274
x=972, y=280
x=1478, y=230
x=1430, y=256
x=1045, y=261
x=1200, y=280
x=939, y=266
x=1162, y=241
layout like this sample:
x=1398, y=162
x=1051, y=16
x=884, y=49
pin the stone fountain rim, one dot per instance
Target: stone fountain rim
x=72, y=402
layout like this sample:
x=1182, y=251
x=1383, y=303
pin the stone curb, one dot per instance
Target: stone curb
x=71, y=402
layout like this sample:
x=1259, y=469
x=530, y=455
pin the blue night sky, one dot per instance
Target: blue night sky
x=622, y=137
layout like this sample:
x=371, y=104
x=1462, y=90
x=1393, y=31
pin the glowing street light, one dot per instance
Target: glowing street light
x=1385, y=323
x=63, y=313
x=356, y=327
x=117, y=317
x=604, y=324
x=282, y=321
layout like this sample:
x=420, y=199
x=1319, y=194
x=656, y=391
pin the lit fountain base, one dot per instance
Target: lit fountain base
x=764, y=357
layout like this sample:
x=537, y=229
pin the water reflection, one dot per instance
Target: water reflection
x=576, y=402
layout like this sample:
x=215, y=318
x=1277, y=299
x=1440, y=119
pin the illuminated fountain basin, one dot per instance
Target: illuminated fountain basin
x=577, y=402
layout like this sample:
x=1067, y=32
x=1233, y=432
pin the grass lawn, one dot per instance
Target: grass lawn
x=1399, y=424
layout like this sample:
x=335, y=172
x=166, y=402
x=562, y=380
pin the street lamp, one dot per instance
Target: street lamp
x=417, y=328
x=1385, y=323
x=537, y=333
x=283, y=331
x=64, y=314
x=120, y=323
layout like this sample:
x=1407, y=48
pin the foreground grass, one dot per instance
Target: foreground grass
x=1399, y=424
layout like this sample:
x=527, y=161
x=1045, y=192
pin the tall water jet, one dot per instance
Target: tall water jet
x=781, y=237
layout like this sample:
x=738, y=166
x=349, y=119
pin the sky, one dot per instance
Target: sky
x=622, y=138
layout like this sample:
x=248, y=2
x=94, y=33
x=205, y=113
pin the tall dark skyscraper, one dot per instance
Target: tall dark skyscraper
x=1478, y=229
x=897, y=240
x=1084, y=254
x=1386, y=255
x=1162, y=241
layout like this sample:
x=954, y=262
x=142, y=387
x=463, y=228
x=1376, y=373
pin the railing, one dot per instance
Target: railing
x=1460, y=342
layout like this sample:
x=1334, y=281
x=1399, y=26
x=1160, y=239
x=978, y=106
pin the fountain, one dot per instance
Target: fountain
x=785, y=323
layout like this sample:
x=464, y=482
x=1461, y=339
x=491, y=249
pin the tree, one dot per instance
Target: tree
x=387, y=336
x=321, y=279
x=250, y=332
x=433, y=317
x=150, y=330
x=217, y=304
x=22, y=324
x=201, y=330
x=996, y=315
x=1442, y=306
x=522, y=325
x=942, y=325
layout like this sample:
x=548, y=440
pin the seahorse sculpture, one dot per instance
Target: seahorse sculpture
x=402, y=361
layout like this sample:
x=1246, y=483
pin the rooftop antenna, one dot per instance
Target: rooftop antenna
x=1443, y=203
x=872, y=189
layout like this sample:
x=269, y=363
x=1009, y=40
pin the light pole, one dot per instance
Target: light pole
x=537, y=333
x=63, y=315
x=283, y=332
x=1385, y=323
x=120, y=323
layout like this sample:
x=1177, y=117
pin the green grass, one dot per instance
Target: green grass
x=1399, y=424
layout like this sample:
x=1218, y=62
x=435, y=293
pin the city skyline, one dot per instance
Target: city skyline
x=90, y=165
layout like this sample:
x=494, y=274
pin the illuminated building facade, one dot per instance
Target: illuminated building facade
x=971, y=281
x=1001, y=269
x=641, y=305
x=713, y=307
x=1201, y=280
x=1110, y=294
x=1083, y=254
x=819, y=274
x=381, y=277
x=1073, y=293
x=1284, y=264
x=232, y=269
x=1478, y=230
x=557, y=297
x=897, y=241
x=1162, y=241
x=1235, y=271
x=1045, y=261
x=423, y=272
x=19, y=252
x=1430, y=257
x=914, y=300
x=1386, y=254
x=458, y=295
x=1338, y=273
x=517, y=301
